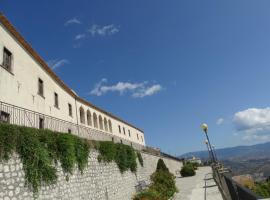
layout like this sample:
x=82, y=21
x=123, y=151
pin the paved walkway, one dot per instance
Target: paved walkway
x=193, y=188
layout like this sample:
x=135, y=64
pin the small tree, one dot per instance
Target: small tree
x=162, y=187
x=161, y=166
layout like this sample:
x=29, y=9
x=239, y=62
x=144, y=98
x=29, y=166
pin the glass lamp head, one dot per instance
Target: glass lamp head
x=204, y=127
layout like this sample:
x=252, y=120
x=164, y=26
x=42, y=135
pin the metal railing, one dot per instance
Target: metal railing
x=230, y=189
x=24, y=117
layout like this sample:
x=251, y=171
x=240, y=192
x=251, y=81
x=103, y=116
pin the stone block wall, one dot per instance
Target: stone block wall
x=100, y=181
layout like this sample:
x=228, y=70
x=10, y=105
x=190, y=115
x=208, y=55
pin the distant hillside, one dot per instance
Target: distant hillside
x=258, y=151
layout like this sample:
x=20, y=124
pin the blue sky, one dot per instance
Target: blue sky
x=165, y=66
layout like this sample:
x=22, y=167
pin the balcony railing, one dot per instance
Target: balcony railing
x=230, y=189
x=24, y=117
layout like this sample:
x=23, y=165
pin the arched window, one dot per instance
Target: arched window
x=82, y=117
x=100, y=122
x=89, y=118
x=105, y=124
x=110, y=126
x=95, y=120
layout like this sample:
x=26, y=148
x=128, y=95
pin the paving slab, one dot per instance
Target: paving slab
x=193, y=188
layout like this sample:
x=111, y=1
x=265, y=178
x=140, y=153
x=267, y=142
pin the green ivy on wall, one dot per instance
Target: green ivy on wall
x=123, y=155
x=41, y=150
x=139, y=155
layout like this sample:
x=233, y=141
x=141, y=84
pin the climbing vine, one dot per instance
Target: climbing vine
x=123, y=155
x=139, y=155
x=41, y=150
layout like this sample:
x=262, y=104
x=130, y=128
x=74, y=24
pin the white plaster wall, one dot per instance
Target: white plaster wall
x=21, y=86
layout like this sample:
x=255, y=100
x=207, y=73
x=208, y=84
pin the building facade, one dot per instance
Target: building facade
x=31, y=94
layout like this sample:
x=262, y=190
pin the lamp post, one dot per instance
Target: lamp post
x=215, y=152
x=206, y=142
x=205, y=129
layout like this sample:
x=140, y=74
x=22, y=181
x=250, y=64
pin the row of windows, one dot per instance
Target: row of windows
x=98, y=122
x=129, y=134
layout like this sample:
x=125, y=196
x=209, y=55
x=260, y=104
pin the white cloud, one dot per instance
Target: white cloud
x=220, y=121
x=254, y=123
x=147, y=91
x=57, y=63
x=103, y=30
x=137, y=90
x=72, y=21
x=80, y=36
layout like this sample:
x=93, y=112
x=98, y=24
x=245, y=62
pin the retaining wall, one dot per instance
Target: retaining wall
x=100, y=181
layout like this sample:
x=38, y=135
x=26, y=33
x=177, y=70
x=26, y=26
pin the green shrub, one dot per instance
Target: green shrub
x=262, y=189
x=123, y=155
x=195, y=165
x=107, y=151
x=66, y=150
x=139, y=155
x=161, y=165
x=162, y=185
x=187, y=170
x=37, y=163
x=8, y=140
x=82, y=150
x=148, y=195
x=40, y=150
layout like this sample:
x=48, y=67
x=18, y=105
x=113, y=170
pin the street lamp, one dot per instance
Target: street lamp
x=215, y=152
x=206, y=142
x=205, y=129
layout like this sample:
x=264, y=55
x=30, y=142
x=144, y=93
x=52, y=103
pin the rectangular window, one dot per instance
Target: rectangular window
x=129, y=133
x=137, y=136
x=119, y=128
x=4, y=117
x=70, y=110
x=124, y=131
x=40, y=87
x=7, y=59
x=56, y=103
x=41, y=123
x=142, y=138
x=69, y=131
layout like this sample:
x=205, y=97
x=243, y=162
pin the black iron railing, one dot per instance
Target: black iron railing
x=231, y=190
x=24, y=117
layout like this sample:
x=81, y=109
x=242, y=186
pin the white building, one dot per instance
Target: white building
x=31, y=94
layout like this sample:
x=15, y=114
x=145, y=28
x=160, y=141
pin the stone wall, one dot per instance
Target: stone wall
x=100, y=181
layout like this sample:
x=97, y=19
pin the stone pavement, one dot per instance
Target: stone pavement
x=193, y=188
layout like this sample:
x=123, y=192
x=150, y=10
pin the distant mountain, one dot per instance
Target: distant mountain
x=258, y=151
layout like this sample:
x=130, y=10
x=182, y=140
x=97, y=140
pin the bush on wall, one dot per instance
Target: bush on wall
x=40, y=150
x=139, y=155
x=123, y=155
